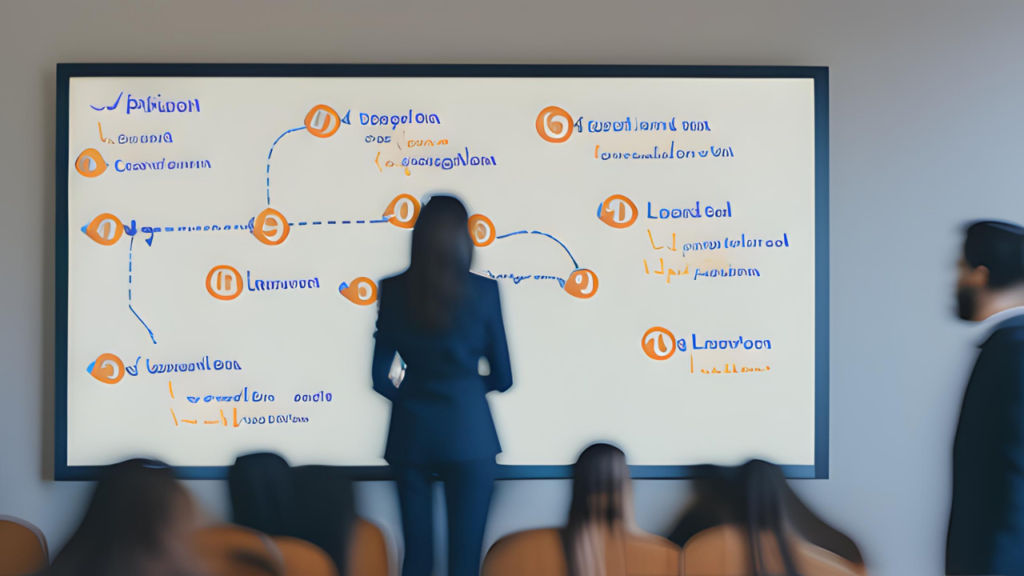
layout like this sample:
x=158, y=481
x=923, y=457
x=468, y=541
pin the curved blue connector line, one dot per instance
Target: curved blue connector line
x=575, y=265
x=283, y=134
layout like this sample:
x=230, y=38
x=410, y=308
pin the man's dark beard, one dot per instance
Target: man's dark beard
x=967, y=303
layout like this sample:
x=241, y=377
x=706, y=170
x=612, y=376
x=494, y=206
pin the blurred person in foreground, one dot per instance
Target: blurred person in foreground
x=441, y=319
x=140, y=522
x=986, y=523
x=780, y=534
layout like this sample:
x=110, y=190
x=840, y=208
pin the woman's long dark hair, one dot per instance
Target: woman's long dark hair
x=764, y=487
x=442, y=252
x=601, y=505
x=126, y=521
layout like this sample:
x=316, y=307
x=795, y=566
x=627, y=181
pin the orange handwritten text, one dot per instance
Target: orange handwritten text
x=667, y=273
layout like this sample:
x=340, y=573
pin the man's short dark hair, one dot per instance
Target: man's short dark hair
x=998, y=246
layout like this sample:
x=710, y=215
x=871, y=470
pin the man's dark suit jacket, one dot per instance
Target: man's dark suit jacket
x=986, y=524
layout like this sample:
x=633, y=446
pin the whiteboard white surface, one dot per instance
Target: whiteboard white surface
x=743, y=148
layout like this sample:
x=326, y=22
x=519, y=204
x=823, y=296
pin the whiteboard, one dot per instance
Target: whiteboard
x=659, y=237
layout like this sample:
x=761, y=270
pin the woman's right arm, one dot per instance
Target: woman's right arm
x=383, y=357
x=500, y=378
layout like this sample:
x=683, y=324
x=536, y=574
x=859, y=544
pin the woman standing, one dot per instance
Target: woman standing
x=441, y=319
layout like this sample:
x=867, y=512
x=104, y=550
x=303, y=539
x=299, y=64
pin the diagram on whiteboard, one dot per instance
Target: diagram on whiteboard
x=654, y=249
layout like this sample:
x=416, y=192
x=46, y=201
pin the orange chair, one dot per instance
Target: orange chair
x=23, y=548
x=542, y=553
x=368, y=552
x=725, y=551
x=228, y=550
x=302, y=558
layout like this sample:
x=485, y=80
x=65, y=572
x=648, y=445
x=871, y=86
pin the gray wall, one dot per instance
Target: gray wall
x=927, y=101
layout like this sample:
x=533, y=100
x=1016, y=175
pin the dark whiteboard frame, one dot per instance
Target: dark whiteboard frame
x=820, y=468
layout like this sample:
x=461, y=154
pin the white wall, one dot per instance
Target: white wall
x=927, y=109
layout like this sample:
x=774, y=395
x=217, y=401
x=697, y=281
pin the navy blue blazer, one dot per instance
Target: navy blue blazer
x=439, y=412
x=986, y=524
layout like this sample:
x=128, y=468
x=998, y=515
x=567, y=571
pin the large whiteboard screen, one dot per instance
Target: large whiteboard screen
x=653, y=239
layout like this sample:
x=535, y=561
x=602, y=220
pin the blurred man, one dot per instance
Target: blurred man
x=986, y=524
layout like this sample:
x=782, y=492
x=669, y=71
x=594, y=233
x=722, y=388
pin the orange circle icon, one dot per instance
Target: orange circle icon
x=105, y=229
x=554, y=124
x=271, y=227
x=618, y=211
x=403, y=211
x=582, y=283
x=481, y=229
x=322, y=121
x=107, y=369
x=361, y=291
x=659, y=343
x=224, y=283
x=90, y=163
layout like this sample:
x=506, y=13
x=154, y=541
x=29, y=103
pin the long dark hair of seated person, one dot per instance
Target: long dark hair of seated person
x=601, y=510
x=138, y=523
x=747, y=495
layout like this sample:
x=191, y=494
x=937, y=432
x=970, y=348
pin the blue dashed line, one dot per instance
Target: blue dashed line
x=346, y=221
x=302, y=223
x=131, y=247
x=331, y=222
x=360, y=221
x=316, y=223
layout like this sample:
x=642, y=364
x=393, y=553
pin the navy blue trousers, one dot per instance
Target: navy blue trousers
x=467, y=490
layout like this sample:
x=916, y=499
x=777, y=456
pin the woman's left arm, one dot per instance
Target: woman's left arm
x=383, y=357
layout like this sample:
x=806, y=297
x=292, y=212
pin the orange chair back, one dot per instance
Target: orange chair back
x=303, y=558
x=725, y=551
x=542, y=553
x=228, y=550
x=23, y=548
x=368, y=551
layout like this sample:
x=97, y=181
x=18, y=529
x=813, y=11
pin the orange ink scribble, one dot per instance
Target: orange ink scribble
x=175, y=417
x=102, y=139
x=171, y=388
x=190, y=421
x=234, y=416
x=730, y=368
x=421, y=143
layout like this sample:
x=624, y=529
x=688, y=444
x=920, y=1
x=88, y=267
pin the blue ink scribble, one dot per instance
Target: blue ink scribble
x=111, y=107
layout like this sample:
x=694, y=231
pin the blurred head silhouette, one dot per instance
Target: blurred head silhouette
x=991, y=270
x=138, y=523
x=602, y=507
x=442, y=252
